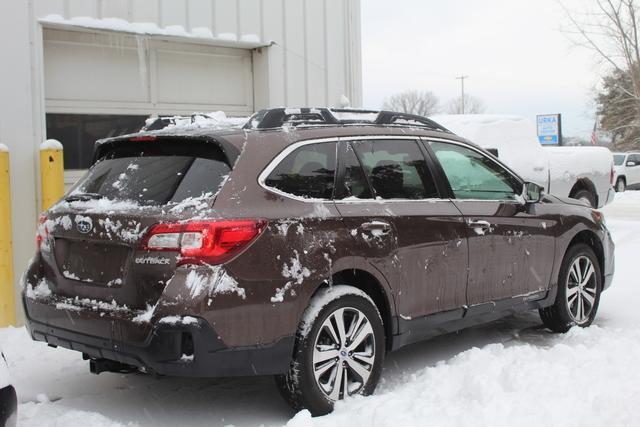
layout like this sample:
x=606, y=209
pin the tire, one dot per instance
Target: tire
x=587, y=196
x=621, y=185
x=299, y=386
x=575, y=304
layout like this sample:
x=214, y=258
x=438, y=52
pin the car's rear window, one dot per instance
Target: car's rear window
x=156, y=173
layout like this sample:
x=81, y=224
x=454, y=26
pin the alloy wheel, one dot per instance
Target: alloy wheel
x=581, y=289
x=344, y=353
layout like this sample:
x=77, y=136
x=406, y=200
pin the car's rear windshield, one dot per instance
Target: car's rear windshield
x=155, y=172
x=618, y=159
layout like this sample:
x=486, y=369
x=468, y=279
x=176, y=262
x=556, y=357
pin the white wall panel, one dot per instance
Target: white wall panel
x=273, y=27
x=294, y=44
x=81, y=8
x=173, y=12
x=315, y=41
x=73, y=71
x=336, y=61
x=145, y=11
x=43, y=8
x=198, y=78
x=116, y=9
x=250, y=22
x=226, y=14
x=200, y=13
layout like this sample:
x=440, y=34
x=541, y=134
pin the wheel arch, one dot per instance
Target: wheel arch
x=584, y=184
x=372, y=286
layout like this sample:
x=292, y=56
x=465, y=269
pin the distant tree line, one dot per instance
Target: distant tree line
x=425, y=103
x=610, y=29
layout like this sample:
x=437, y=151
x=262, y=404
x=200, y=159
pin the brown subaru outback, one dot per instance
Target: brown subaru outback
x=305, y=245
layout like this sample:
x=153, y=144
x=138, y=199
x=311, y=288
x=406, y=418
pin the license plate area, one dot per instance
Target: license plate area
x=90, y=262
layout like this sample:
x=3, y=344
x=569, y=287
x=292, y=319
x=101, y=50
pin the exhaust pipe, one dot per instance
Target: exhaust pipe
x=97, y=366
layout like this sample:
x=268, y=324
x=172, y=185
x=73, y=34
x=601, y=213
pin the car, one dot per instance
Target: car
x=583, y=173
x=8, y=399
x=627, y=171
x=305, y=245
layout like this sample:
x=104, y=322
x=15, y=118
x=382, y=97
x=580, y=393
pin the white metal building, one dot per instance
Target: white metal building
x=79, y=70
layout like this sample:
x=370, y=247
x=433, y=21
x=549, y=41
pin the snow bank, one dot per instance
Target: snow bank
x=148, y=28
x=51, y=144
x=3, y=148
x=574, y=380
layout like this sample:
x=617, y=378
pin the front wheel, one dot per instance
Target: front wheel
x=620, y=185
x=339, y=351
x=579, y=288
x=586, y=196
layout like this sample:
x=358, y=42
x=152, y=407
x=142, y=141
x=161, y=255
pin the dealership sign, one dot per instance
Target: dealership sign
x=550, y=129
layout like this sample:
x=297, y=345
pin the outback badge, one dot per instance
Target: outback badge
x=83, y=224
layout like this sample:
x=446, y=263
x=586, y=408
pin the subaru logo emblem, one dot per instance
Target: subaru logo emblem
x=84, y=225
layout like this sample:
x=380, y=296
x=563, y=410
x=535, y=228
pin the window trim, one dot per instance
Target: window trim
x=282, y=155
x=452, y=196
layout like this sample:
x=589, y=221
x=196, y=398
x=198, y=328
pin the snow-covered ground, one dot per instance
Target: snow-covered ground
x=509, y=372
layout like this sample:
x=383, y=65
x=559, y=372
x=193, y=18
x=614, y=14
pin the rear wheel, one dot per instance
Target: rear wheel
x=585, y=196
x=579, y=287
x=621, y=185
x=339, y=351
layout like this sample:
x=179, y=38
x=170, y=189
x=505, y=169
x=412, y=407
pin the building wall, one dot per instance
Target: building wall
x=315, y=59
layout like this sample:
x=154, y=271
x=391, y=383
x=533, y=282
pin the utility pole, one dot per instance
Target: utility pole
x=461, y=78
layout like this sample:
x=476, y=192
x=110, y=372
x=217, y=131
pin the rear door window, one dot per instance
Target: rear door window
x=308, y=172
x=156, y=173
x=396, y=169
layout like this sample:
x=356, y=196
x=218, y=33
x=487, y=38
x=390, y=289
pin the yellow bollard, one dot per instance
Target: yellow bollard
x=7, y=298
x=51, y=173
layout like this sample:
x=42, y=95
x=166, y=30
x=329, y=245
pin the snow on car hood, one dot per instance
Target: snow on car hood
x=5, y=379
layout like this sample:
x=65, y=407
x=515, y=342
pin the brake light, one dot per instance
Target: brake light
x=204, y=242
x=142, y=138
x=611, y=175
x=41, y=232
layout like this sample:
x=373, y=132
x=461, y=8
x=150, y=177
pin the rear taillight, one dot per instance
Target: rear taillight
x=204, y=242
x=41, y=232
x=612, y=174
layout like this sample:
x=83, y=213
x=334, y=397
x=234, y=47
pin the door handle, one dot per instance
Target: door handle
x=385, y=227
x=478, y=223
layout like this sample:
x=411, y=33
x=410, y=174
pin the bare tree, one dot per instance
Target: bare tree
x=471, y=105
x=413, y=102
x=610, y=29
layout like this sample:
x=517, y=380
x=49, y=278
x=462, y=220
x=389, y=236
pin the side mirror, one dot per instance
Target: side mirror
x=631, y=163
x=532, y=192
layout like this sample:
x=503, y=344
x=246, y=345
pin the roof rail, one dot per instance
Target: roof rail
x=278, y=117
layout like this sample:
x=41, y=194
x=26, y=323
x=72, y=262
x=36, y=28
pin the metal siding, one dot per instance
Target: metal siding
x=200, y=13
x=226, y=13
x=273, y=27
x=294, y=46
x=336, y=64
x=316, y=67
x=173, y=12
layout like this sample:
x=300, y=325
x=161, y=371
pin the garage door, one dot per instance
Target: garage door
x=120, y=73
x=100, y=84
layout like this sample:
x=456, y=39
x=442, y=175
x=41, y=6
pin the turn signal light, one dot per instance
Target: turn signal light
x=204, y=242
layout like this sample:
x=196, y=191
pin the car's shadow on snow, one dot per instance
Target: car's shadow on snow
x=147, y=400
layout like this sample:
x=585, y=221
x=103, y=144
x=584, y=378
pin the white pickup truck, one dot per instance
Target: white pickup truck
x=584, y=173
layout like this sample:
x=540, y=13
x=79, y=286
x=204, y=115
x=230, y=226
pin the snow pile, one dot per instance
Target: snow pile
x=212, y=120
x=40, y=291
x=178, y=320
x=51, y=144
x=3, y=148
x=148, y=28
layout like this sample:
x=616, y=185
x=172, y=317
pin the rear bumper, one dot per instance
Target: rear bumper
x=183, y=350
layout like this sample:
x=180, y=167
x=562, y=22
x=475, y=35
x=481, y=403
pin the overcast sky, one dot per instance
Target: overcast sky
x=517, y=59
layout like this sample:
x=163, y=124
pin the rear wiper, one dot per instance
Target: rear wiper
x=83, y=197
